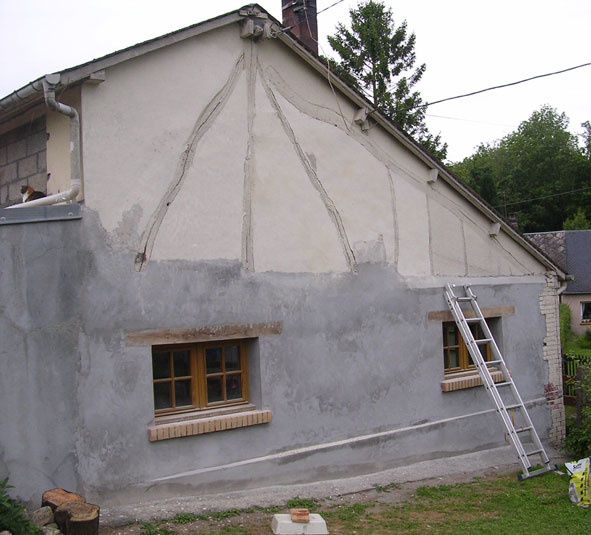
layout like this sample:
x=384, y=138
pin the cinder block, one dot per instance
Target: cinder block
x=37, y=142
x=16, y=151
x=8, y=173
x=42, y=161
x=38, y=182
x=14, y=189
x=27, y=166
x=283, y=525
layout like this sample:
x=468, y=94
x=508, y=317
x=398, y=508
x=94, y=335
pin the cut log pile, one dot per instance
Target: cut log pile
x=67, y=513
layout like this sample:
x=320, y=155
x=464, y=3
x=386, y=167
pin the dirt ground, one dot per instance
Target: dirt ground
x=257, y=520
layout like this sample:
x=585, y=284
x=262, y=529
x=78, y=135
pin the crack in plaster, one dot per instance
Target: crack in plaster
x=249, y=161
x=464, y=247
x=312, y=175
x=394, y=214
x=202, y=125
x=427, y=205
x=456, y=209
x=329, y=116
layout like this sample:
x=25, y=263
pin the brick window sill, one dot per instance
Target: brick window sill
x=211, y=422
x=467, y=380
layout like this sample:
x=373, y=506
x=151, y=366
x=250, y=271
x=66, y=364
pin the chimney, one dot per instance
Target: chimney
x=299, y=16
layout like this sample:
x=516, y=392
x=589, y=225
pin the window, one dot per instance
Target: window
x=586, y=312
x=456, y=357
x=200, y=376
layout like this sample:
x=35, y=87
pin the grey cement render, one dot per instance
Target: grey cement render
x=353, y=380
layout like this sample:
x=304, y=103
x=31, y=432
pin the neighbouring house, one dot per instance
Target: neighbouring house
x=572, y=250
x=244, y=286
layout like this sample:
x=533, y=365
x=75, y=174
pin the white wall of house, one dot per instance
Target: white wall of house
x=317, y=194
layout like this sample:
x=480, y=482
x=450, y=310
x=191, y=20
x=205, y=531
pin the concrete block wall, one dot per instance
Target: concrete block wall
x=23, y=160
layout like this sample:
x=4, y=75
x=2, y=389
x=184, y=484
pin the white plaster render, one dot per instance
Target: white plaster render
x=58, y=152
x=356, y=182
x=138, y=121
x=413, y=227
x=447, y=241
x=265, y=176
x=204, y=222
x=292, y=230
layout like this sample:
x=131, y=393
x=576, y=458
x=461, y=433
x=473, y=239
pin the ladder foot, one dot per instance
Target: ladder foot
x=538, y=472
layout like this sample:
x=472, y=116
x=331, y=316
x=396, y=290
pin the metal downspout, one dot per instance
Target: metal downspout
x=50, y=83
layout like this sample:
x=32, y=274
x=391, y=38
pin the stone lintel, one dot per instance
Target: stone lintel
x=203, y=334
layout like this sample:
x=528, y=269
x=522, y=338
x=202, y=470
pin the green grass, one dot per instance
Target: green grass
x=486, y=506
x=502, y=505
x=305, y=503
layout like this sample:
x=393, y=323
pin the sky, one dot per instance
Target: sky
x=467, y=45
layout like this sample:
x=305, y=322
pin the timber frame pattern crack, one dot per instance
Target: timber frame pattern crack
x=272, y=81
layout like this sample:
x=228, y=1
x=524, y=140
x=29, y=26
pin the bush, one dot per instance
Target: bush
x=585, y=340
x=565, y=325
x=578, y=436
x=13, y=516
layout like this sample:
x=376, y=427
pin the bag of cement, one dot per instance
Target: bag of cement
x=579, y=488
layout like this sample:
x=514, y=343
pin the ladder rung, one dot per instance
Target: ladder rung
x=463, y=298
x=535, y=452
x=522, y=429
x=516, y=406
x=504, y=383
x=483, y=340
x=539, y=472
x=473, y=320
x=493, y=362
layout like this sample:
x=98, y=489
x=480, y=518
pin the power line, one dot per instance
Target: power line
x=504, y=85
x=328, y=7
x=543, y=197
x=467, y=120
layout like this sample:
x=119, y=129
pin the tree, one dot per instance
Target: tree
x=577, y=221
x=539, y=172
x=378, y=58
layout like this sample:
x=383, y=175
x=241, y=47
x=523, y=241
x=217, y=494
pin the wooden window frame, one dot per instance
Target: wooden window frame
x=463, y=353
x=198, y=376
x=583, y=307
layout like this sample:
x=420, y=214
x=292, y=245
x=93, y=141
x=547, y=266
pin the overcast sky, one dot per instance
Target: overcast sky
x=466, y=44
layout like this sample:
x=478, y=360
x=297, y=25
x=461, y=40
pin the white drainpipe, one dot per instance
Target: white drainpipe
x=49, y=84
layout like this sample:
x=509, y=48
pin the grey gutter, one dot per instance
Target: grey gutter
x=81, y=72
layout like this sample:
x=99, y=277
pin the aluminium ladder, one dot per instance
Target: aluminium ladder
x=503, y=409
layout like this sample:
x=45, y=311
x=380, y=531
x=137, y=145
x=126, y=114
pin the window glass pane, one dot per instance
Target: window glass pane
x=160, y=364
x=214, y=389
x=234, y=386
x=232, y=358
x=182, y=390
x=453, y=358
x=182, y=363
x=451, y=334
x=586, y=312
x=162, y=398
x=213, y=359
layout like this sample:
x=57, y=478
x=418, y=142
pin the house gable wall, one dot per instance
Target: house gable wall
x=284, y=214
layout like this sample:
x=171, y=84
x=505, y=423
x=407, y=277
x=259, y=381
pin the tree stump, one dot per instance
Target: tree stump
x=78, y=518
x=56, y=497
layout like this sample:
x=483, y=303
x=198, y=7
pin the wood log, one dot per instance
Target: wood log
x=56, y=497
x=78, y=518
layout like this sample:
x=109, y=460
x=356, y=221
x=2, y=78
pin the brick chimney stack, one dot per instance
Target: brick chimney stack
x=300, y=17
